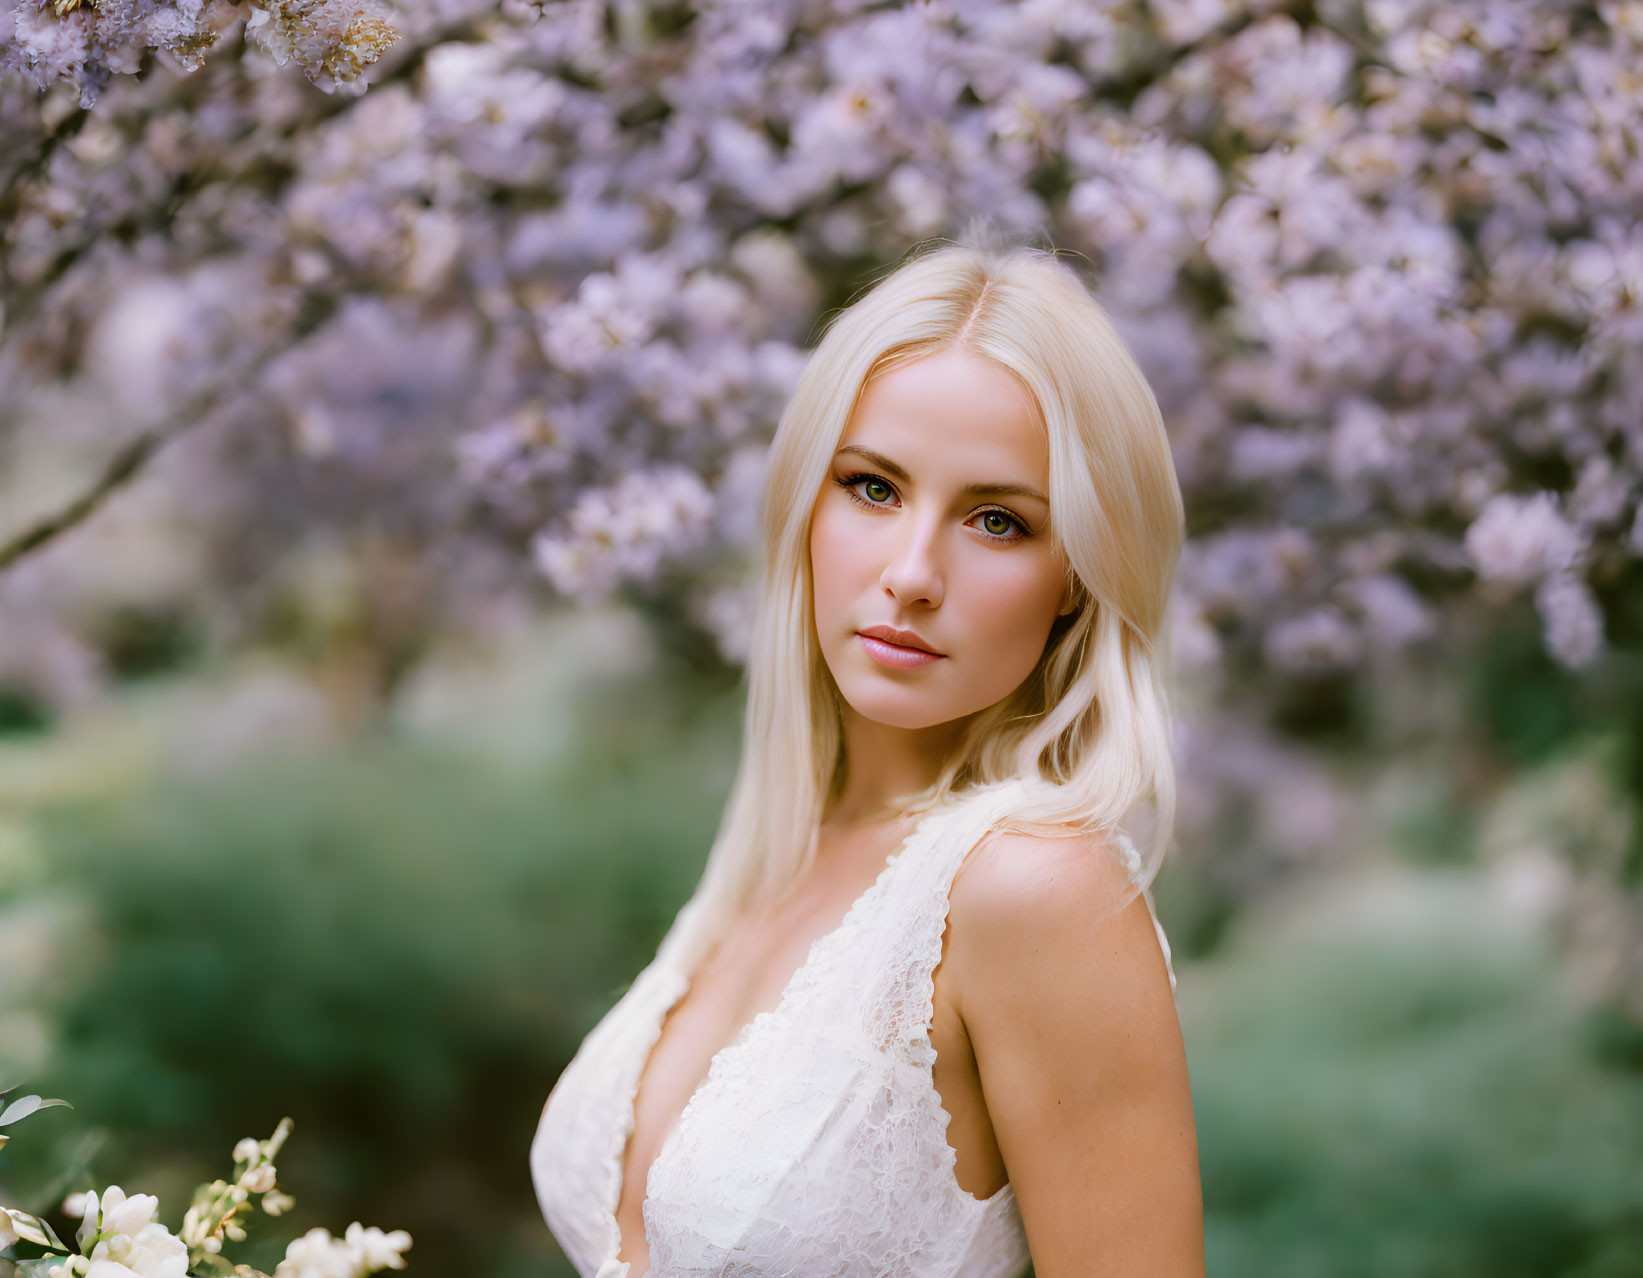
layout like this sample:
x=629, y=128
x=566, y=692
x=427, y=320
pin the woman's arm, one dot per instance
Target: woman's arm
x=1063, y=991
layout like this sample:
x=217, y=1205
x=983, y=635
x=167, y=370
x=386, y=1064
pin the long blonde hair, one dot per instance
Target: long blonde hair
x=1093, y=717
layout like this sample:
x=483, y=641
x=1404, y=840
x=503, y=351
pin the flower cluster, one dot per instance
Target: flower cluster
x=211, y=1216
x=333, y=41
x=86, y=42
x=362, y=1251
x=119, y=1236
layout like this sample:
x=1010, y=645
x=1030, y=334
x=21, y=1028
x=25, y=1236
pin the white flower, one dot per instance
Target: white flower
x=627, y=530
x=1392, y=613
x=317, y=1255
x=382, y=1251
x=274, y=1202
x=133, y=1244
x=259, y=1180
x=364, y=1251
x=1522, y=539
x=246, y=1151
x=1321, y=639
x=1571, y=621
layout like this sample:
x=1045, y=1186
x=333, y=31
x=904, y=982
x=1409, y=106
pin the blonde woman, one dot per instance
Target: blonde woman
x=918, y=1017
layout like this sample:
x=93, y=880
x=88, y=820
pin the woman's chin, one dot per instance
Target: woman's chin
x=907, y=710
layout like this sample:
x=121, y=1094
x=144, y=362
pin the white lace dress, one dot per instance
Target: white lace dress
x=816, y=1144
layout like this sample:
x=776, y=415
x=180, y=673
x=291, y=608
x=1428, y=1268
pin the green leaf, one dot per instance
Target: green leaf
x=31, y=1229
x=52, y=1234
x=21, y=1108
x=37, y=1268
x=26, y=1105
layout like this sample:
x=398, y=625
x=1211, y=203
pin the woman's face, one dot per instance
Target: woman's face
x=934, y=519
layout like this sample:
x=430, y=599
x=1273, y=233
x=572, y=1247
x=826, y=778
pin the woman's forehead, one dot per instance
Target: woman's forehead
x=953, y=418
x=950, y=382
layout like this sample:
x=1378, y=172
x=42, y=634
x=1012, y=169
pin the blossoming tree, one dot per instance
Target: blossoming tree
x=529, y=304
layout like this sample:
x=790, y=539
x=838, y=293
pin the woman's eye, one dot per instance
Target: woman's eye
x=997, y=524
x=879, y=492
x=1008, y=521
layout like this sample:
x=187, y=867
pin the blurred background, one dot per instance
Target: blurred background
x=384, y=395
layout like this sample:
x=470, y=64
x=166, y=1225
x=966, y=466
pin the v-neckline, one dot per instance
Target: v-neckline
x=682, y=981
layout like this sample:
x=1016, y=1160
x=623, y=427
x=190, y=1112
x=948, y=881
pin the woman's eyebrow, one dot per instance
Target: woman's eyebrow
x=981, y=490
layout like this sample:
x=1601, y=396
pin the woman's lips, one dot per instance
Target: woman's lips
x=894, y=655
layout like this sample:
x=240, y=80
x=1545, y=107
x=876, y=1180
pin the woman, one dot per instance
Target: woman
x=918, y=1017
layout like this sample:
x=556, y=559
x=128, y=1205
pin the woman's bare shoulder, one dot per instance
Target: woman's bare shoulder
x=1067, y=1006
x=1065, y=999
x=1049, y=904
x=1032, y=867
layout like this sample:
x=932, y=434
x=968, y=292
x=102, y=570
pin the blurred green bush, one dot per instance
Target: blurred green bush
x=1395, y=1082
x=398, y=946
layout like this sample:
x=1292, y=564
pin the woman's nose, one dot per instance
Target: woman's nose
x=913, y=575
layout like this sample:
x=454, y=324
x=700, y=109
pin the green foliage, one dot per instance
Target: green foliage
x=1612, y=1035
x=142, y=642
x=398, y=946
x=22, y=711
x=1414, y=1101
x=1524, y=702
x=1436, y=826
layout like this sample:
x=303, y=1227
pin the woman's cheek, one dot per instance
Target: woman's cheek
x=828, y=542
x=1015, y=606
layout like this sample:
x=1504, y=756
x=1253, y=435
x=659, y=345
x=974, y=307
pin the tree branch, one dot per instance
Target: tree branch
x=120, y=470
x=133, y=457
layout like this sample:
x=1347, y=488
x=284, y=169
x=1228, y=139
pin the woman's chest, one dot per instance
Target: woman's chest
x=737, y=1120
x=742, y=980
x=746, y=978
